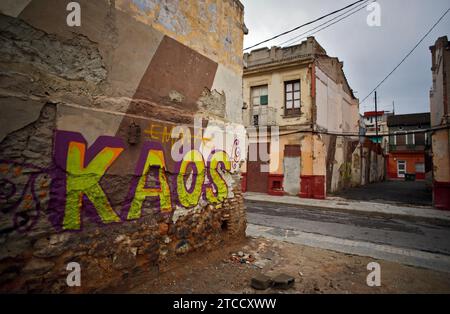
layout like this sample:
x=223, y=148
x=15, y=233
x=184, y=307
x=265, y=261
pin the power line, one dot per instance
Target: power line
x=303, y=25
x=325, y=27
x=406, y=57
x=359, y=8
x=349, y=134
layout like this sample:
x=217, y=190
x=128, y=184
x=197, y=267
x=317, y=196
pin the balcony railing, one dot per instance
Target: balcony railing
x=263, y=116
x=393, y=148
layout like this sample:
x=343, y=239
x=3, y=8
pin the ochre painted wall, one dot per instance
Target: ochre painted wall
x=275, y=81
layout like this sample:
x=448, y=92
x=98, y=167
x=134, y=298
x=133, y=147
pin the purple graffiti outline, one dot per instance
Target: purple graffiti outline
x=29, y=185
x=58, y=191
x=236, y=152
x=211, y=183
x=11, y=193
x=139, y=171
x=194, y=179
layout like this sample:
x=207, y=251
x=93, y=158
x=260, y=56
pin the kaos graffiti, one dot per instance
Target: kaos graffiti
x=76, y=182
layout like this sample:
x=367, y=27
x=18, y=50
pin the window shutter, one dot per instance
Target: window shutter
x=264, y=100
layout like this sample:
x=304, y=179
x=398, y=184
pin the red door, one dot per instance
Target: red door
x=257, y=180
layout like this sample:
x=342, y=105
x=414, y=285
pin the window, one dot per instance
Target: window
x=420, y=168
x=401, y=168
x=400, y=139
x=260, y=95
x=292, y=97
x=420, y=139
x=410, y=139
x=392, y=140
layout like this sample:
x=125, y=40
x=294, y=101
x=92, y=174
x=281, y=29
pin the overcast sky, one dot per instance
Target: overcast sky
x=368, y=53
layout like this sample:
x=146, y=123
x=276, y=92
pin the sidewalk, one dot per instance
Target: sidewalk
x=358, y=206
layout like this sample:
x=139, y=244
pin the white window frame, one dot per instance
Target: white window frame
x=398, y=168
x=395, y=137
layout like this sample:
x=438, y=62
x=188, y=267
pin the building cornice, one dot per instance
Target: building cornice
x=303, y=60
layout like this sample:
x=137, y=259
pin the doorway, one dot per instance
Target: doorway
x=291, y=169
x=401, y=168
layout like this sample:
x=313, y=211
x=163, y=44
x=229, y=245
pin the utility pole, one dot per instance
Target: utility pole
x=376, y=116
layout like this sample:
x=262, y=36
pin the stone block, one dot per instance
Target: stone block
x=163, y=228
x=283, y=282
x=261, y=282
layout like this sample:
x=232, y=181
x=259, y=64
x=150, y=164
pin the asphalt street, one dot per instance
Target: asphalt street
x=397, y=192
x=394, y=238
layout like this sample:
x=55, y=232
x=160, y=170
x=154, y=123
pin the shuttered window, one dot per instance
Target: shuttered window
x=260, y=95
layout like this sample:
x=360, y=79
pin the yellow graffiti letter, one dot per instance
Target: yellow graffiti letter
x=218, y=181
x=83, y=180
x=155, y=158
x=190, y=199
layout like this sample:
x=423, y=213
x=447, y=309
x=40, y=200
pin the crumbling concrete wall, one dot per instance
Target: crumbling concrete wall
x=354, y=164
x=338, y=113
x=92, y=117
x=373, y=163
x=440, y=117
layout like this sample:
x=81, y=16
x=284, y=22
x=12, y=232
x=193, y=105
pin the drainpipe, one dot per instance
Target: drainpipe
x=313, y=119
x=313, y=108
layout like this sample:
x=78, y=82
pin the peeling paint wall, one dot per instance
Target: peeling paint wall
x=440, y=117
x=338, y=112
x=275, y=82
x=87, y=171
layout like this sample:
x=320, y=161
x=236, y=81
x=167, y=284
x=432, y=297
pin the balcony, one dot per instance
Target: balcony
x=406, y=148
x=263, y=116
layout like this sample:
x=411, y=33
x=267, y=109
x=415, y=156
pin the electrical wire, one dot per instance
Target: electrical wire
x=358, y=8
x=306, y=24
x=349, y=134
x=406, y=57
x=325, y=27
